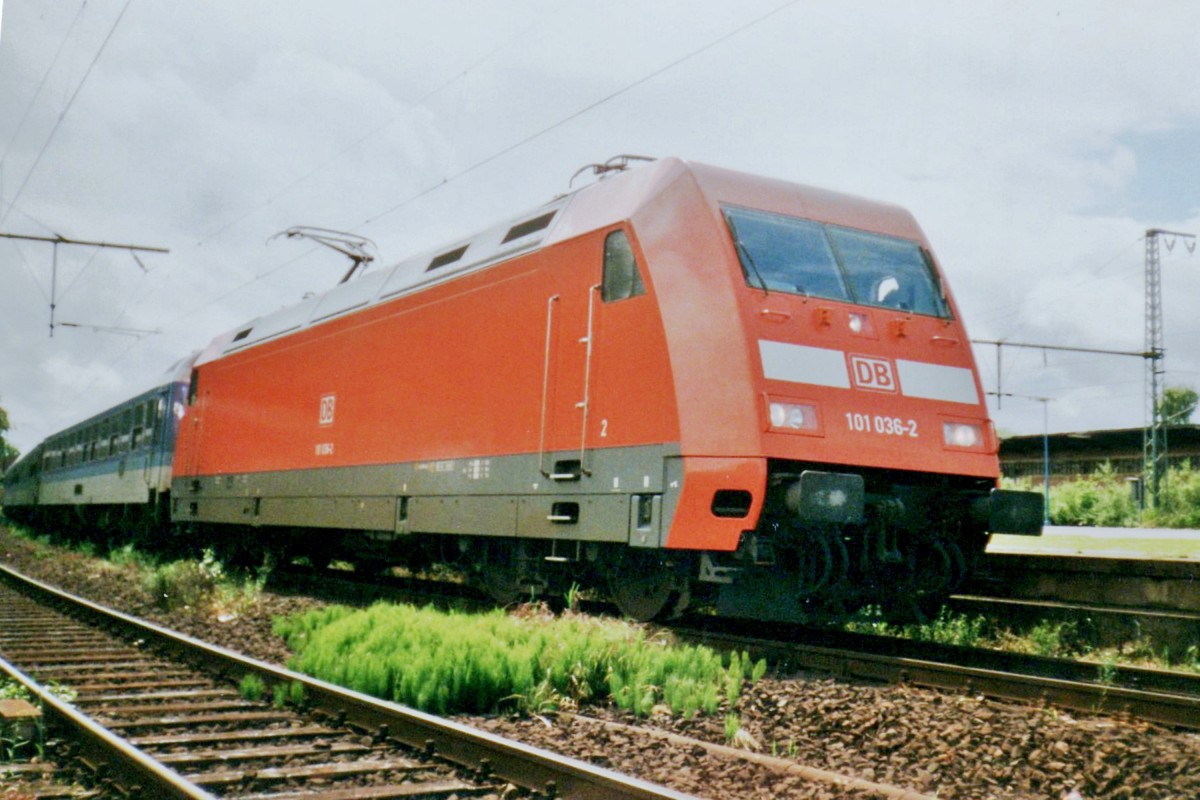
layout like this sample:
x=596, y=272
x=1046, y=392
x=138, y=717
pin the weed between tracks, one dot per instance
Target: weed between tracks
x=1052, y=639
x=24, y=739
x=448, y=661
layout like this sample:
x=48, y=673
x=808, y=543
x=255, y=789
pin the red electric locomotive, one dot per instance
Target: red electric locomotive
x=678, y=380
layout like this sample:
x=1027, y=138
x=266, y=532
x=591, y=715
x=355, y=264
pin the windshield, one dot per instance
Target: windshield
x=798, y=256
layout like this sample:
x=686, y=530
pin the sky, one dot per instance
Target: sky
x=1034, y=142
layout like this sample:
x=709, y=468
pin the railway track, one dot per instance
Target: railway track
x=155, y=714
x=1110, y=600
x=1159, y=696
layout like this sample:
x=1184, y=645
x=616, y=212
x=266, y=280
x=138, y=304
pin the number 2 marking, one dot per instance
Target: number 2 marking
x=603, y=428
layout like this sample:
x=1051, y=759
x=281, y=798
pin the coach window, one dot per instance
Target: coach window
x=139, y=425
x=156, y=414
x=125, y=430
x=622, y=279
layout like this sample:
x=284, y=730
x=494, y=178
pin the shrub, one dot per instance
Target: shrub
x=201, y=584
x=1104, y=499
x=1178, y=501
x=180, y=584
x=129, y=556
x=1101, y=499
x=948, y=627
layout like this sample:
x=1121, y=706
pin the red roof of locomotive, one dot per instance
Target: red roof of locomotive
x=589, y=208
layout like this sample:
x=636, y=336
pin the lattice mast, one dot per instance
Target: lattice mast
x=1154, y=440
x=1154, y=443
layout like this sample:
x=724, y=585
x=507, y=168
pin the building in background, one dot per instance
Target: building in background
x=1073, y=455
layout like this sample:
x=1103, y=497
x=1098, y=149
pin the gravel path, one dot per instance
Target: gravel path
x=953, y=747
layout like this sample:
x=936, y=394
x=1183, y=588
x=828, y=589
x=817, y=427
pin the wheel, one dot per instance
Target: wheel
x=645, y=587
x=910, y=608
x=500, y=574
x=371, y=566
x=916, y=594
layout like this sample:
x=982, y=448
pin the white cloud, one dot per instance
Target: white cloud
x=1014, y=132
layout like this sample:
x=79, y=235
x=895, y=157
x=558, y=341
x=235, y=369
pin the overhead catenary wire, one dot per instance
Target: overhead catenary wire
x=1001, y=343
x=180, y=316
x=582, y=111
x=453, y=79
x=74, y=281
x=32, y=275
x=502, y=152
x=63, y=114
x=41, y=84
x=1020, y=308
x=456, y=77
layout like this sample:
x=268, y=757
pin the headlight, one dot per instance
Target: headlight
x=962, y=434
x=793, y=416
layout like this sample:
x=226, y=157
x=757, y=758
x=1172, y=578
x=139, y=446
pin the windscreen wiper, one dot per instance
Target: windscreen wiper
x=745, y=251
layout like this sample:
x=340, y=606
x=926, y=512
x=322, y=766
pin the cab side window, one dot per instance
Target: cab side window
x=622, y=279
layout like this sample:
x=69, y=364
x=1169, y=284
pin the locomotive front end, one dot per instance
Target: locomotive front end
x=881, y=460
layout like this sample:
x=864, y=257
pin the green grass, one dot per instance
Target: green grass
x=452, y=661
x=11, y=690
x=252, y=687
x=948, y=628
x=285, y=694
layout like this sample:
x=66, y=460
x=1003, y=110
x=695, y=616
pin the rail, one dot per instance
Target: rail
x=1160, y=696
x=543, y=773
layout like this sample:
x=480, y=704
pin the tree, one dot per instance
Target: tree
x=8, y=453
x=1178, y=404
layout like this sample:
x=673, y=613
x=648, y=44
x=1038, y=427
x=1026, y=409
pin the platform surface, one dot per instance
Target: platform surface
x=1147, y=543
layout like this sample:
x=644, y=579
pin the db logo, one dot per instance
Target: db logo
x=327, y=404
x=873, y=373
